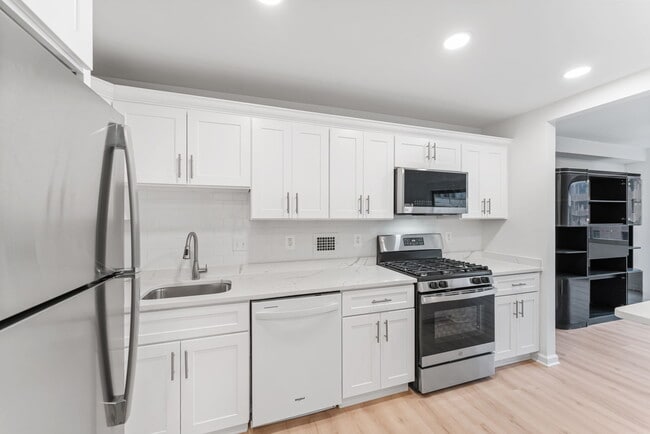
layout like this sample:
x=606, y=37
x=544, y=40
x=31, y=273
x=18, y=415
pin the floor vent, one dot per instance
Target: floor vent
x=324, y=243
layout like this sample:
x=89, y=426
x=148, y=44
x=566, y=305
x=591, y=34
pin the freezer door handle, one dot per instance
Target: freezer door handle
x=117, y=406
x=301, y=313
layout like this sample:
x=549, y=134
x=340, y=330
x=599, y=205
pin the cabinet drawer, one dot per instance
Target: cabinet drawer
x=192, y=322
x=516, y=283
x=377, y=300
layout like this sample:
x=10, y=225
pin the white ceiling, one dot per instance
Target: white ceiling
x=382, y=56
x=623, y=122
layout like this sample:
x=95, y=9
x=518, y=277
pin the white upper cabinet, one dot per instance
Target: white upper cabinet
x=219, y=149
x=158, y=135
x=427, y=153
x=271, y=173
x=346, y=166
x=361, y=181
x=378, y=175
x=290, y=170
x=487, y=169
x=67, y=25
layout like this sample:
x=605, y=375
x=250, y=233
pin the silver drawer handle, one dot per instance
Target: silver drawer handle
x=519, y=284
x=385, y=300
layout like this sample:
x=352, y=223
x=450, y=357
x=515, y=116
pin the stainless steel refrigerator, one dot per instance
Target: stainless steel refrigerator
x=68, y=300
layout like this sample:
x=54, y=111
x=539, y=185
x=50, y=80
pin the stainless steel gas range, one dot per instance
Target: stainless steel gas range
x=454, y=310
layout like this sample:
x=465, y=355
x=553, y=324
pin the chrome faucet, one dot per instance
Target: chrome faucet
x=196, y=270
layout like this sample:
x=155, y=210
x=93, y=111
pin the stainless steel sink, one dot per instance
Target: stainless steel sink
x=189, y=290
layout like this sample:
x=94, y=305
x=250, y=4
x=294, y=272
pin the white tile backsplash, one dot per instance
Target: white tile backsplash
x=219, y=216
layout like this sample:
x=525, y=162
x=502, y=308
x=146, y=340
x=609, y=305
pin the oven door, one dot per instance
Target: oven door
x=421, y=191
x=455, y=325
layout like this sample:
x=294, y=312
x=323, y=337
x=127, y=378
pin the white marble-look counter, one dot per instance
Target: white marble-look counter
x=500, y=264
x=637, y=312
x=282, y=279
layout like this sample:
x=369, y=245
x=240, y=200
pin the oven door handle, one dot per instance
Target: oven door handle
x=428, y=299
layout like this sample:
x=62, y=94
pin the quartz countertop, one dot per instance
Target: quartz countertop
x=283, y=279
x=637, y=312
x=499, y=264
x=270, y=280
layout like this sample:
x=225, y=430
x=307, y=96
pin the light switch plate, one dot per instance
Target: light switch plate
x=448, y=236
x=239, y=244
x=290, y=242
x=357, y=240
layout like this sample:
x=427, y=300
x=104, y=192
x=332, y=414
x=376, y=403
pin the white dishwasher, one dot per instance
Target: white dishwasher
x=296, y=352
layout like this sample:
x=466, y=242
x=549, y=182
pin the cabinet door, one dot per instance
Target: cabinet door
x=159, y=142
x=471, y=163
x=494, y=181
x=310, y=171
x=215, y=383
x=361, y=354
x=397, y=347
x=505, y=327
x=71, y=21
x=271, y=171
x=156, y=392
x=528, y=323
x=445, y=155
x=378, y=175
x=413, y=152
x=219, y=149
x=346, y=182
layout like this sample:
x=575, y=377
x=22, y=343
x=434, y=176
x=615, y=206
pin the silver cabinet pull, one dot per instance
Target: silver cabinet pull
x=191, y=166
x=519, y=284
x=522, y=308
x=386, y=324
x=385, y=300
x=516, y=312
x=483, y=207
x=368, y=204
x=428, y=150
x=435, y=151
x=187, y=369
x=378, y=332
x=361, y=204
x=296, y=203
x=489, y=202
x=178, y=166
x=173, y=356
x=288, y=203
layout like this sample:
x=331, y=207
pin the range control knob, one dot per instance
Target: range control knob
x=433, y=285
x=485, y=280
x=475, y=280
x=442, y=284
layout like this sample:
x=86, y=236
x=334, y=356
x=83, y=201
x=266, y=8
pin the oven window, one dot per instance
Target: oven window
x=435, y=189
x=449, y=326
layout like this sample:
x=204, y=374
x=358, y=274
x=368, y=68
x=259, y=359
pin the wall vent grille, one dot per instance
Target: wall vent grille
x=325, y=243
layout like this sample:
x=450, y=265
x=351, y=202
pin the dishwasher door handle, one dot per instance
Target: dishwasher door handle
x=301, y=313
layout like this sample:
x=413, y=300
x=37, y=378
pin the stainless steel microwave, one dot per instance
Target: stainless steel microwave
x=430, y=192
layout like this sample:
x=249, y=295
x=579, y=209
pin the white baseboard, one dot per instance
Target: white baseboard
x=374, y=395
x=233, y=430
x=512, y=360
x=547, y=359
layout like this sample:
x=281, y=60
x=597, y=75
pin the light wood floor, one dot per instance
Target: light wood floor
x=602, y=385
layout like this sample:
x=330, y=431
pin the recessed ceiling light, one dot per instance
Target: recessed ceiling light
x=577, y=72
x=270, y=2
x=457, y=40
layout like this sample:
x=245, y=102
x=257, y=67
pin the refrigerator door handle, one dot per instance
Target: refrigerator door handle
x=117, y=407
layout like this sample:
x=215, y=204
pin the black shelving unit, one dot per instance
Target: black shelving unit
x=595, y=215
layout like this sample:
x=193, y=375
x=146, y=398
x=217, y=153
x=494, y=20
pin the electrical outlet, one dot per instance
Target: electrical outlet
x=448, y=237
x=357, y=240
x=290, y=242
x=239, y=244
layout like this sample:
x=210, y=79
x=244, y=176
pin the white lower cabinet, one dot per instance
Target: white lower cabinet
x=157, y=391
x=517, y=325
x=194, y=385
x=378, y=351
